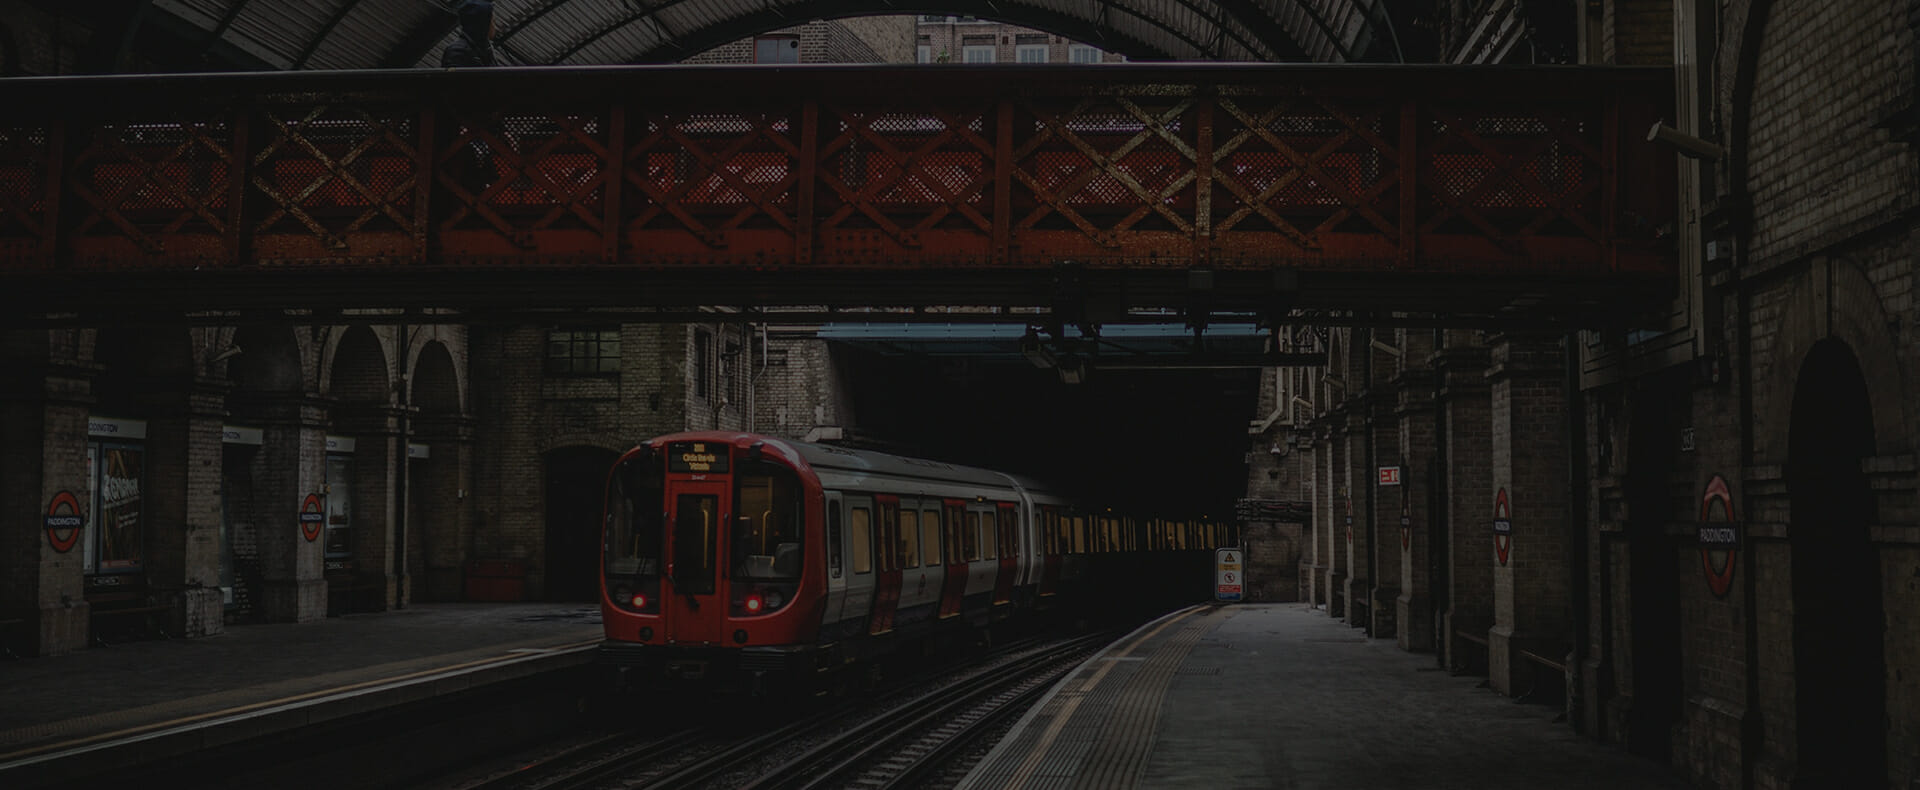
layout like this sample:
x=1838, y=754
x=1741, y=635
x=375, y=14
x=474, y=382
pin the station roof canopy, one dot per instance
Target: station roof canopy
x=359, y=34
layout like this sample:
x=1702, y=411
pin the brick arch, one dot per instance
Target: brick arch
x=360, y=370
x=138, y=367
x=435, y=382
x=1852, y=312
x=268, y=366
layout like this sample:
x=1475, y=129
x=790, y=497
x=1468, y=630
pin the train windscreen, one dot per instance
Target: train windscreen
x=635, y=535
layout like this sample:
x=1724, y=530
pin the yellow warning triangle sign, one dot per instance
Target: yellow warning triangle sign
x=1230, y=558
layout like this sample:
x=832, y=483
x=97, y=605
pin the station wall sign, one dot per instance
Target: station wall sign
x=64, y=521
x=1719, y=536
x=1229, y=574
x=312, y=517
x=1389, y=475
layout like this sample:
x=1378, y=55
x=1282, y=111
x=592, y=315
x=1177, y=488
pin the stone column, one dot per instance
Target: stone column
x=1528, y=378
x=1466, y=414
x=43, y=454
x=1335, y=556
x=1313, y=461
x=1355, y=480
x=1383, y=431
x=1406, y=508
x=290, y=466
x=183, y=496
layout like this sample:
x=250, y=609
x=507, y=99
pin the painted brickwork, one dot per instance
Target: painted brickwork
x=947, y=38
x=883, y=39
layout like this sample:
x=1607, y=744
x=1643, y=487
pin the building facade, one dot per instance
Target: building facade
x=1697, y=534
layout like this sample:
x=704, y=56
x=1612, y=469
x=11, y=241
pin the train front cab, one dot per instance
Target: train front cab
x=705, y=572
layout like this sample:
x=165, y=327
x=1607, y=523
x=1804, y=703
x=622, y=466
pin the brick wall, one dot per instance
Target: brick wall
x=880, y=39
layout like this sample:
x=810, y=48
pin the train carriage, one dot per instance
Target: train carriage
x=737, y=558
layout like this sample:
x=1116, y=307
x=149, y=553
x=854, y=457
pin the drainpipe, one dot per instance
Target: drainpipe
x=400, y=471
x=1439, y=502
x=1368, y=482
x=1577, y=483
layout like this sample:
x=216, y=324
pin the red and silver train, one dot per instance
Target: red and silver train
x=734, y=556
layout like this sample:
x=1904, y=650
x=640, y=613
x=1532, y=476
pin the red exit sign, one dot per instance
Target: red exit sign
x=1389, y=475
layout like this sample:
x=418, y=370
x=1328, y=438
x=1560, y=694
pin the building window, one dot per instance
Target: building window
x=729, y=383
x=977, y=54
x=702, y=361
x=1081, y=53
x=583, y=352
x=926, y=53
x=339, y=505
x=1030, y=53
x=776, y=49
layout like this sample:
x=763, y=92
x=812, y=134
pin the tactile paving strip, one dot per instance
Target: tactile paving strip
x=1097, y=728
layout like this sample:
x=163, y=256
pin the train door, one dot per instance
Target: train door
x=953, y=587
x=836, y=559
x=886, y=549
x=1052, y=530
x=692, y=607
x=1005, y=519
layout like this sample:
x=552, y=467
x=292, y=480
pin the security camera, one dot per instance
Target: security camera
x=1689, y=146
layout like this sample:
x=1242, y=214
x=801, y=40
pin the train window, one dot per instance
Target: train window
x=978, y=537
x=860, y=526
x=963, y=540
x=930, y=538
x=887, y=542
x=833, y=540
x=695, y=532
x=909, y=538
x=1079, y=535
x=768, y=526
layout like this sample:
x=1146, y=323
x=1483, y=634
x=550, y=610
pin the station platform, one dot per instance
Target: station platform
x=1277, y=696
x=69, y=717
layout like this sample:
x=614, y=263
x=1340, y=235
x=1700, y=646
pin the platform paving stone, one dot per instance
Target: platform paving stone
x=1278, y=696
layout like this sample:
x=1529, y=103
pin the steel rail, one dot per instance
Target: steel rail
x=858, y=746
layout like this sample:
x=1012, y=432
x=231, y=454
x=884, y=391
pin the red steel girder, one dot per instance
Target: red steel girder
x=1338, y=169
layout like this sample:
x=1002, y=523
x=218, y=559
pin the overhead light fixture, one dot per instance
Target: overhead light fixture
x=1688, y=145
x=1385, y=349
x=1329, y=379
x=1302, y=402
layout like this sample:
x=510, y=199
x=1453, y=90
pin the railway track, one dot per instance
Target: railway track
x=903, y=746
x=894, y=740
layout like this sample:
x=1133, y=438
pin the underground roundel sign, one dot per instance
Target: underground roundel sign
x=64, y=521
x=1502, y=527
x=312, y=517
x=1719, y=535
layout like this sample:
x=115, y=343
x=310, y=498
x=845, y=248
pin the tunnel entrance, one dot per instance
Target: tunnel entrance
x=1838, y=623
x=1653, y=569
x=576, y=479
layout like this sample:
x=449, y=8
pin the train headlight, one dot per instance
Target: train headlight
x=755, y=604
x=639, y=600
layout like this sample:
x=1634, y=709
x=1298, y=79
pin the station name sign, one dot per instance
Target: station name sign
x=697, y=458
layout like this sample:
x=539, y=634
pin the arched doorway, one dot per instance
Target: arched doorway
x=576, y=479
x=436, y=540
x=1653, y=568
x=1838, y=623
